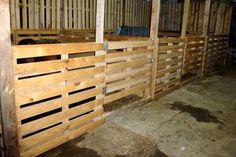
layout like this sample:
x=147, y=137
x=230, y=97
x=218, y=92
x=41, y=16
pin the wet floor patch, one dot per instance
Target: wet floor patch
x=200, y=114
x=72, y=151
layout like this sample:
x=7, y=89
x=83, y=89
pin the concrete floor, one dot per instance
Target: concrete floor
x=198, y=120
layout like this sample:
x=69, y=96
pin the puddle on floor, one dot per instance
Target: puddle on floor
x=200, y=114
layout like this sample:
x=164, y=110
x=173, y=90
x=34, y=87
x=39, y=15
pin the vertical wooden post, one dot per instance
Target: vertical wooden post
x=205, y=31
x=206, y=17
x=100, y=39
x=100, y=21
x=154, y=37
x=7, y=102
x=229, y=20
x=218, y=18
x=185, y=18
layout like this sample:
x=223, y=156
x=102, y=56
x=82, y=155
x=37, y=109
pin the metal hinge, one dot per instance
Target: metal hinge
x=105, y=46
x=104, y=90
x=152, y=60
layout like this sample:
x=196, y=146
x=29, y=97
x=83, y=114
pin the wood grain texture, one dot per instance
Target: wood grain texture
x=7, y=100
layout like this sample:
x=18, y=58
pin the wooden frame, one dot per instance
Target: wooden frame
x=107, y=70
x=7, y=101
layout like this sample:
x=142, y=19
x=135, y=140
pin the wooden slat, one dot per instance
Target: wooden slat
x=53, y=66
x=128, y=44
x=54, y=49
x=57, y=78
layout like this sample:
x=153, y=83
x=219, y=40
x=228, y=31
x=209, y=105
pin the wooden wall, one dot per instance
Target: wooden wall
x=138, y=13
x=77, y=14
x=171, y=15
x=196, y=16
x=35, y=14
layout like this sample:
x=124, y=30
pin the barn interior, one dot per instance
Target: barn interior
x=118, y=78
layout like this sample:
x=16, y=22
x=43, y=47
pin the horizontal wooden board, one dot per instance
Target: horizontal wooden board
x=25, y=51
x=128, y=44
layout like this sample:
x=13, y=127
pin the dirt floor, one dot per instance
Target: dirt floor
x=198, y=120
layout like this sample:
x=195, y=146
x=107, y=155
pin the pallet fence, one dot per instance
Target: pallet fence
x=80, y=78
x=128, y=68
x=169, y=65
x=69, y=107
x=216, y=52
x=193, y=58
x=72, y=75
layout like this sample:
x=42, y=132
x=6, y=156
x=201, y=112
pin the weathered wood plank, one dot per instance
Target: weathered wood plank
x=7, y=100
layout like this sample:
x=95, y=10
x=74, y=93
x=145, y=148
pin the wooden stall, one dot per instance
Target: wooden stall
x=216, y=53
x=45, y=19
x=169, y=65
x=193, y=58
x=91, y=67
x=128, y=69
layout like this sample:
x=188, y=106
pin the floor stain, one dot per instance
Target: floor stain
x=85, y=152
x=71, y=149
x=120, y=155
x=200, y=114
x=158, y=153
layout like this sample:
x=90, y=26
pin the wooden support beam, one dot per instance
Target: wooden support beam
x=230, y=20
x=185, y=18
x=100, y=39
x=7, y=98
x=155, y=16
x=218, y=18
x=100, y=21
x=155, y=19
x=206, y=17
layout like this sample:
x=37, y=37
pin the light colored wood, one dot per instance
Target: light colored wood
x=128, y=44
x=36, y=15
x=58, y=15
x=7, y=101
x=42, y=9
x=48, y=14
x=185, y=18
x=54, y=49
x=61, y=139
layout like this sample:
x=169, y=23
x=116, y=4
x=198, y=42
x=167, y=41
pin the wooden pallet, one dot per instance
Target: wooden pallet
x=193, y=58
x=211, y=51
x=57, y=94
x=169, y=65
x=222, y=51
x=128, y=68
x=216, y=52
